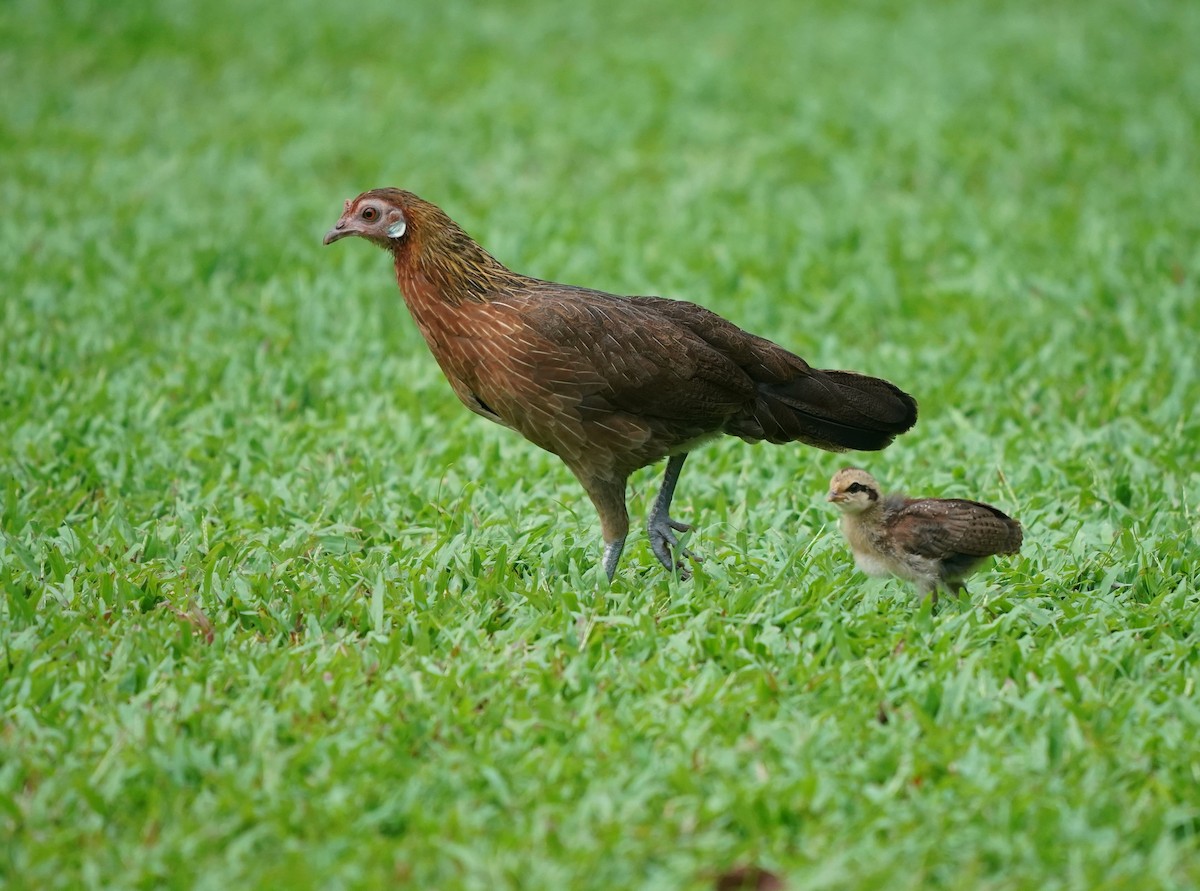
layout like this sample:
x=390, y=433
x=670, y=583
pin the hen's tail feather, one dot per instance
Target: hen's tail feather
x=832, y=410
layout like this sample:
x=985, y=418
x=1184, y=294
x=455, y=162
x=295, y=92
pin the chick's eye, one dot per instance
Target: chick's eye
x=369, y=213
x=854, y=487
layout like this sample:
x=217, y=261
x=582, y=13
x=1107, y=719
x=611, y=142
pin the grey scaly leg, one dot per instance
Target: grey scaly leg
x=661, y=527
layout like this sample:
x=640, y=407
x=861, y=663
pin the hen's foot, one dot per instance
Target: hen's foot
x=666, y=546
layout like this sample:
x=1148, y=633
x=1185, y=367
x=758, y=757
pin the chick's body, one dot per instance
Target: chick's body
x=933, y=542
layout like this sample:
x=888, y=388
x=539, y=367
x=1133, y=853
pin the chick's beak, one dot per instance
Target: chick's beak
x=835, y=497
x=338, y=231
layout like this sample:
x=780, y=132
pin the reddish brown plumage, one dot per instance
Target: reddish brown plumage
x=609, y=384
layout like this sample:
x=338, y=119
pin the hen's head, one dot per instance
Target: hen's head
x=853, y=490
x=427, y=245
x=381, y=216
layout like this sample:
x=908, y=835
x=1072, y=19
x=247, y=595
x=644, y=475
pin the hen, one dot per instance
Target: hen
x=609, y=384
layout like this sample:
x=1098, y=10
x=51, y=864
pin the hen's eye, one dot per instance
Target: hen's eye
x=369, y=213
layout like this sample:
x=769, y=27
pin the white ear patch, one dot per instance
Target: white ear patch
x=396, y=229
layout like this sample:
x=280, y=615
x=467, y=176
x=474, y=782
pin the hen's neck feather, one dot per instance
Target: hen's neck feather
x=439, y=256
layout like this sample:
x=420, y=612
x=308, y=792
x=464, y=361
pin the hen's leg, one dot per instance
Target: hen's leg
x=662, y=528
x=608, y=497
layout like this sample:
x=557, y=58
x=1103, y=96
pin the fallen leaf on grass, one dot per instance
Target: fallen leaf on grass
x=748, y=878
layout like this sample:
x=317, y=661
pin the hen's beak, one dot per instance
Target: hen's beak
x=338, y=231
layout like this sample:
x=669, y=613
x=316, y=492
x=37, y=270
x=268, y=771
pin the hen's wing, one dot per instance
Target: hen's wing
x=683, y=364
x=633, y=358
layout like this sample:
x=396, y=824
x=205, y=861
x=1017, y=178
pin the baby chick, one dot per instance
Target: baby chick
x=935, y=542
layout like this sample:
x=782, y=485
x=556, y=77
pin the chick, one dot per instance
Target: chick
x=934, y=542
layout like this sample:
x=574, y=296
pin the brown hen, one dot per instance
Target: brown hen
x=935, y=542
x=609, y=384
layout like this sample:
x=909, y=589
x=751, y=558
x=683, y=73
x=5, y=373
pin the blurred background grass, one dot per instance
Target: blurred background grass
x=212, y=429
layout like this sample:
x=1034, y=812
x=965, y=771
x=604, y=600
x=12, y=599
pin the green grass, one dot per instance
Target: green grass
x=276, y=612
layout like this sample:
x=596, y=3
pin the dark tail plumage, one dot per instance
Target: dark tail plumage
x=832, y=410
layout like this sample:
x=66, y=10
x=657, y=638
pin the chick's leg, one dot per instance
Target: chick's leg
x=928, y=588
x=662, y=528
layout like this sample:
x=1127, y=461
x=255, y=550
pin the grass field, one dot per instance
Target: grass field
x=277, y=612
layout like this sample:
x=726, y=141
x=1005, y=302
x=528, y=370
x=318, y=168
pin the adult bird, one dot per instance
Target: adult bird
x=934, y=542
x=609, y=384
